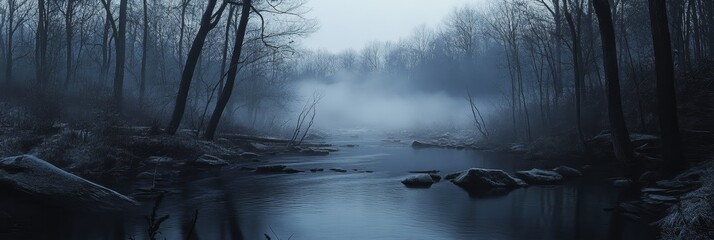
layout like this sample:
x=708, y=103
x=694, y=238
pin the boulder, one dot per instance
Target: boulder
x=270, y=169
x=451, y=176
x=487, y=182
x=317, y=170
x=41, y=180
x=338, y=170
x=210, y=161
x=435, y=177
x=567, y=172
x=418, y=181
x=540, y=176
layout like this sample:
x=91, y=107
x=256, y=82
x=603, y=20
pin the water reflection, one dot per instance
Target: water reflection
x=355, y=205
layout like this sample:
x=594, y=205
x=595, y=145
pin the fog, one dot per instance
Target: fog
x=383, y=103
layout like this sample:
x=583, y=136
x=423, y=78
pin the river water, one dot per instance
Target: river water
x=360, y=205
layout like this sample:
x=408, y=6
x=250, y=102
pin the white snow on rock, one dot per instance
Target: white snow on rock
x=540, y=176
x=38, y=178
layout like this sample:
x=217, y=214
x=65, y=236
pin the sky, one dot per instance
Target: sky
x=345, y=24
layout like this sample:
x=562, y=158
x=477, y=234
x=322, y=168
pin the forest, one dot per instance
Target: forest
x=216, y=119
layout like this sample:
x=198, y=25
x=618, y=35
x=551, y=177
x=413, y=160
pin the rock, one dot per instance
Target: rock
x=292, y=170
x=316, y=170
x=425, y=171
x=540, y=176
x=270, y=169
x=338, y=170
x=567, y=172
x=622, y=183
x=246, y=169
x=487, y=182
x=351, y=145
x=369, y=171
x=451, y=176
x=210, y=161
x=314, y=152
x=159, y=160
x=42, y=180
x=418, y=181
x=435, y=177
x=259, y=147
x=329, y=149
x=249, y=155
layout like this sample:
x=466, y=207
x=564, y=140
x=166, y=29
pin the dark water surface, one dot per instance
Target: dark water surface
x=353, y=205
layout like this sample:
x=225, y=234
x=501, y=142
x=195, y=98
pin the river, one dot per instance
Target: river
x=361, y=205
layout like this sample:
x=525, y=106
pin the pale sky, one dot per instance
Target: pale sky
x=345, y=24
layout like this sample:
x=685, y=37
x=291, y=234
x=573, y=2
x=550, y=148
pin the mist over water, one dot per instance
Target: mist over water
x=383, y=103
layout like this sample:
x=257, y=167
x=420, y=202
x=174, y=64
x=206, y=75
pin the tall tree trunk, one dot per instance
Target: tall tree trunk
x=232, y=72
x=106, y=49
x=577, y=70
x=144, y=47
x=620, y=136
x=666, y=96
x=677, y=11
x=189, y=68
x=224, y=58
x=10, y=33
x=558, y=79
x=41, y=43
x=69, y=32
x=120, y=41
x=182, y=29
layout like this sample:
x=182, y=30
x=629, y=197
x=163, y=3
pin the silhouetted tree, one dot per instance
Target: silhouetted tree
x=232, y=71
x=620, y=136
x=209, y=20
x=666, y=96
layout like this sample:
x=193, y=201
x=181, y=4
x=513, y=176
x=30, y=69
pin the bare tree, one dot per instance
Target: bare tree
x=222, y=101
x=478, y=118
x=209, y=20
x=119, y=30
x=666, y=96
x=573, y=25
x=620, y=136
x=15, y=20
x=144, y=48
x=41, y=42
x=309, y=109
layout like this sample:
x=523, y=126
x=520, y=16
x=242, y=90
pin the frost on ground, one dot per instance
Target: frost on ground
x=693, y=217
